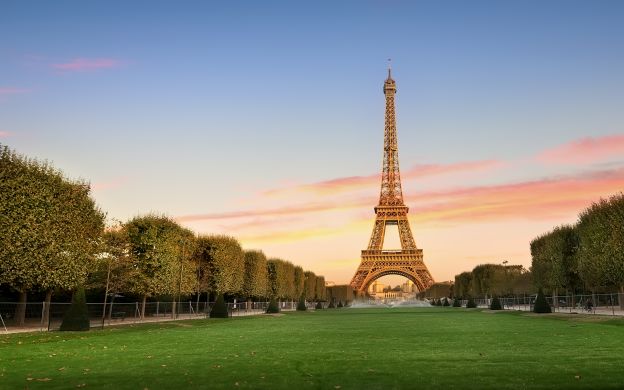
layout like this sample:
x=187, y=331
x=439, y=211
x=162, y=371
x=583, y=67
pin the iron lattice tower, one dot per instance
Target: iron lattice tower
x=408, y=261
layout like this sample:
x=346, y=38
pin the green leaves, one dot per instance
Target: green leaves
x=49, y=225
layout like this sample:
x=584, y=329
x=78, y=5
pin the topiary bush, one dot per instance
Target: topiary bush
x=495, y=304
x=318, y=306
x=456, y=302
x=301, y=306
x=541, y=304
x=219, y=309
x=471, y=304
x=331, y=305
x=273, y=306
x=77, y=317
x=340, y=304
x=438, y=302
x=446, y=302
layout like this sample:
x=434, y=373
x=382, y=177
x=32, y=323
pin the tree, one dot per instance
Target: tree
x=281, y=279
x=160, y=254
x=299, y=281
x=309, y=285
x=255, y=282
x=273, y=306
x=224, y=263
x=320, y=289
x=463, y=284
x=113, y=269
x=541, y=304
x=49, y=228
x=77, y=317
x=219, y=310
x=301, y=305
x=601, y=244
x=496, y=304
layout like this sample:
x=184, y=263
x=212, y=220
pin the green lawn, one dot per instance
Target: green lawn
x=425, y=348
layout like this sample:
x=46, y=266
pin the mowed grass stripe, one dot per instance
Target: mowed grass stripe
x=344, y=348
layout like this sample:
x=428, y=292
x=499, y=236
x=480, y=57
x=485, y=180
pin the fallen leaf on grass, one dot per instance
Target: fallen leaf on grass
x=577, y=377
x=43, y=379
x=81, y=385
x=61, y=369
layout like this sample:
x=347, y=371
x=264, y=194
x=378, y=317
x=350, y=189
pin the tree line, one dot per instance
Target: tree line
x=570, y=259
x=54, y=238
x=586, y=256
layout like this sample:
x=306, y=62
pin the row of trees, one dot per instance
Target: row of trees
x=54, y=238
x=493, y=280
x=152, y=255
x=588, y=255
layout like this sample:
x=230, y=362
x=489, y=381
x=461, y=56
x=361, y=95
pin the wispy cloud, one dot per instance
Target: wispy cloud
x=554, y=198
x=584, y=150
x=5, y=134
x=350, y=183
x=87, y=64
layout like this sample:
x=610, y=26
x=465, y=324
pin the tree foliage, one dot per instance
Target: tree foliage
x=601, y=243
x=224, y=263
x=255, y=282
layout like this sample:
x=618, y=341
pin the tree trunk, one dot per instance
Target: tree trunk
x=173, y=309
x=621, y=298
x=143, y=307
x=554, y=298
x=110, y=308
x=46, y=309
x=20, y=310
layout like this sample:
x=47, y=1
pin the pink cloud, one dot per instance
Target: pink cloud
x=557, y=198
x=5, y=134
x=108, y=185
x=349, y=183
x=584, y=150
x=87, y=64
x=12, y=91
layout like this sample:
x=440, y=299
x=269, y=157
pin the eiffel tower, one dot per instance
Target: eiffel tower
x=408, y=261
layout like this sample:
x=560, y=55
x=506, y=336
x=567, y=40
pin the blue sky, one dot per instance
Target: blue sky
x=200, y=107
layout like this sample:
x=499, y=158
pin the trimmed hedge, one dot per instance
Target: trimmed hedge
x=301, y=306
x=456, y=302
x=446, y=302
x=219, y=310
x=541, y=304
x=496, y=304
x=77, y=317
x=331, y=305
x=273, y=307
x=318, y=306
x=340, y=304
x=471, y=304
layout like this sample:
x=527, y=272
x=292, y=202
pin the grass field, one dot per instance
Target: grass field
x=422, y=348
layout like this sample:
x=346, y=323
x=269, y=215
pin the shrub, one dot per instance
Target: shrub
x=318, y=306
x=471, y=304
x=496, y=304
x=340, y=304
x=77, y=317
x=219, y=310
x=438, y=302
x=456, y=302
x=331, y=305
x=301, y=306
x=541, y=304
x=273, y=307
x=446, y=302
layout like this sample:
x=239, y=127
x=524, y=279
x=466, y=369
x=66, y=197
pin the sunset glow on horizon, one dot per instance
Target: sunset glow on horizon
x=266, y=121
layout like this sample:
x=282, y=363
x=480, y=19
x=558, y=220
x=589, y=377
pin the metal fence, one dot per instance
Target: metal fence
x=604, y=304
x=123, y=312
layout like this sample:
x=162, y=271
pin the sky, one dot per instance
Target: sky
x=264, y=120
